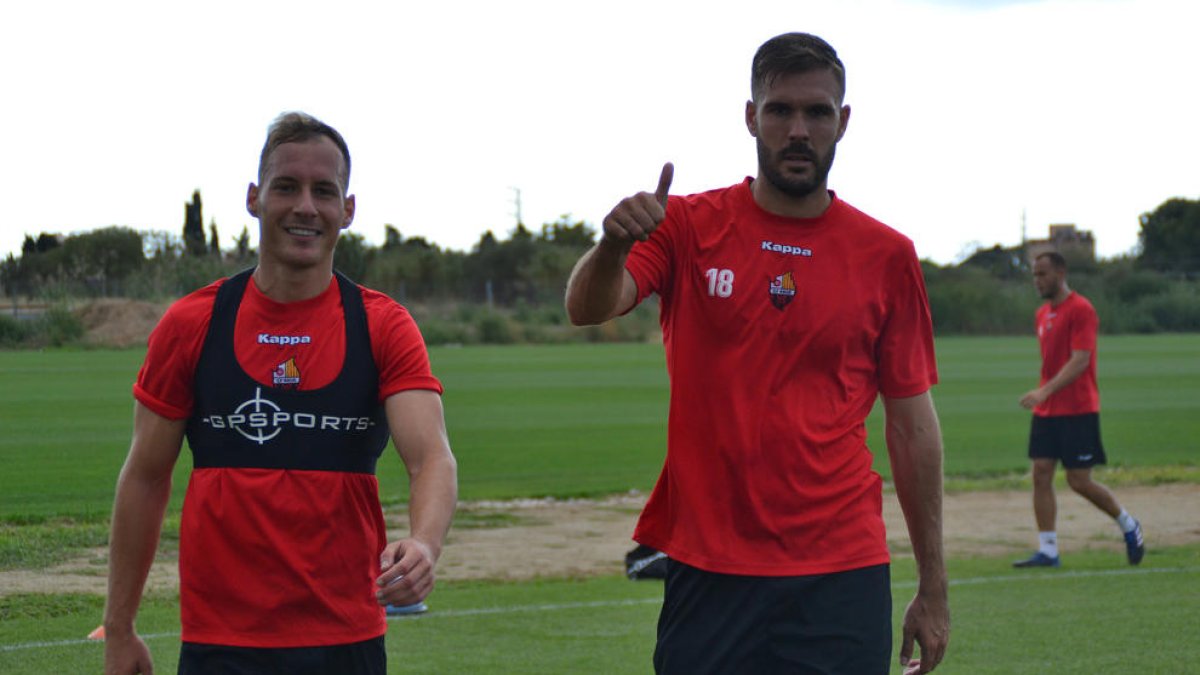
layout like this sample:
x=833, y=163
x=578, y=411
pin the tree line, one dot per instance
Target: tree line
x=510, y=289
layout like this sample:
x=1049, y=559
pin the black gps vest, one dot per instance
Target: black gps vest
x=238, y=422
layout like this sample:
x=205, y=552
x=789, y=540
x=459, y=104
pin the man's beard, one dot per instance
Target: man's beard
x=790, y=185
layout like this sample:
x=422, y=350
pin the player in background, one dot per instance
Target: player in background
x=785, y=312
x=288, y=380
x=1066, y=413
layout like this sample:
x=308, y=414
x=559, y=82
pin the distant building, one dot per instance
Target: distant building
x=1072, y=243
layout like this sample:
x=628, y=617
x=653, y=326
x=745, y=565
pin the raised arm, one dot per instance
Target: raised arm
x=419, y=433
x=600, y=288
x=143, y=490
x=914, y=443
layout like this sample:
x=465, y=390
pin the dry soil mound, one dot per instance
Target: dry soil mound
x=115, y=322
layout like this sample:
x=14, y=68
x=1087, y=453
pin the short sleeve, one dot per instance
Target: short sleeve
x=1084, y=326
x=164, y=383
x=907, y=365
x=398, y=348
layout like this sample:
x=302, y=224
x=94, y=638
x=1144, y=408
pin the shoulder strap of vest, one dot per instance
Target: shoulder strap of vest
x=224, y=310
x=355, y=313
x=233, y=288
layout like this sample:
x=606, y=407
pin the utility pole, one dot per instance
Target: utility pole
x=517, y=204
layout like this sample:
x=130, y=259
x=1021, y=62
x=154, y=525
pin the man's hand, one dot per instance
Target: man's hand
x=1072, y=369
x=636, y=217
x=927, y=622
x=406, y=576
x=126, y=654
x=1034, y=398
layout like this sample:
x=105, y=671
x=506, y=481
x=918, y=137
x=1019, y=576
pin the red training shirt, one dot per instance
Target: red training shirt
x=1070, y=326
x=779, y=335
x=280, y=557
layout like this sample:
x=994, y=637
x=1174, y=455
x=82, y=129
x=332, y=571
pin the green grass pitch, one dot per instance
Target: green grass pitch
x=590, y=420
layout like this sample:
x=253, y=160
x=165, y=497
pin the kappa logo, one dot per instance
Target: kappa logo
x=286, y=374
x=283, y=340
x=782, y=290
x=785, y=249
x=260, y=419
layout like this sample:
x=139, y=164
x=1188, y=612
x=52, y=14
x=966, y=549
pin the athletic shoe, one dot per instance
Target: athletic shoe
x=1038, y=559
x=404, y=610
x=1135, y=546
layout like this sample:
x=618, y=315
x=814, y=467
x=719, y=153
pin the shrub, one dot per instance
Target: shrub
x=443, y=332
x=57, y=327
x=494, y=329
x=1177, y=310
x=12, y=331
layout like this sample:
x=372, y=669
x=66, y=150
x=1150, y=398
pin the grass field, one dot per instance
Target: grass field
x=585, y=419
x=590, y=420
x=1094, y=618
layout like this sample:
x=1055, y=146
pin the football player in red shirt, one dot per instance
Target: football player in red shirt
x=1066, y=413
x=288, y=380
x=785, y=312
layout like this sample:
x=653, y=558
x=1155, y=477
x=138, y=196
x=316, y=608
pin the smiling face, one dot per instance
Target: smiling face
x=797, y=122
x=301, y=205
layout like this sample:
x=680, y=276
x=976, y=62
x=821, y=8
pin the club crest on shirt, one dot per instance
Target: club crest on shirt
x=286, y=374
x=782, y=290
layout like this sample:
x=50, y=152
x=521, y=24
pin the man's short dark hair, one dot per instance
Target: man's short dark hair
x=790, y=54
x=1057, y=261
x=298, y=127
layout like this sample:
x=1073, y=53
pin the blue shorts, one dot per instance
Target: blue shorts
x=827, y=623
x=358, y=658
x=1072, y=439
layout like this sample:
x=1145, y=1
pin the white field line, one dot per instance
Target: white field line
x=516, y=609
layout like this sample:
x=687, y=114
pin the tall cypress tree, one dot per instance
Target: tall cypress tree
x=193, y=227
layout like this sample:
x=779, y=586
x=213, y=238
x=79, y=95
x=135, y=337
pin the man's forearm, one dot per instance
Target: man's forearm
x=594, y=288
x=1071, y=370
x=915, y=446
x=433, y=497
x=136, y=522
x=919, y=491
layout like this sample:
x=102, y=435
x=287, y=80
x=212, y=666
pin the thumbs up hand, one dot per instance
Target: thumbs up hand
x=635, y=218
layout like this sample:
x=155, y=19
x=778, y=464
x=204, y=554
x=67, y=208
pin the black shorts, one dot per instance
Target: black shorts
x=1073, y=439
x=359, y=658
x=721, y=623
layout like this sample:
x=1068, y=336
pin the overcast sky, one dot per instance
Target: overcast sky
x=969, y=118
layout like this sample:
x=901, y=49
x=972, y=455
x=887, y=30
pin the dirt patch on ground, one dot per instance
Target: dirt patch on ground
x=555, y=538
x=526, y=539
x=113, y=322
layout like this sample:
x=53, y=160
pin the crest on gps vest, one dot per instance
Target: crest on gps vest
x=782, y=290
x=286, y=374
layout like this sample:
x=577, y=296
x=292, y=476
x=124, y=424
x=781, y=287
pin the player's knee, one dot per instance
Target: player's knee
x=1043, y=475
x=1079, y=481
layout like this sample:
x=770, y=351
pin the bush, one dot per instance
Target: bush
x=1138, y=285
x=57, y=327
x=442, y=332
x=54, y=328
x=1177, y=310
x=971, y=301
x=1117, y=319
x=494, y=329
x=12, y=331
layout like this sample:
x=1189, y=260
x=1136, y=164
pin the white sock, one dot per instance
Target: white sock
x=1126, y=521
x=1048, y=544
